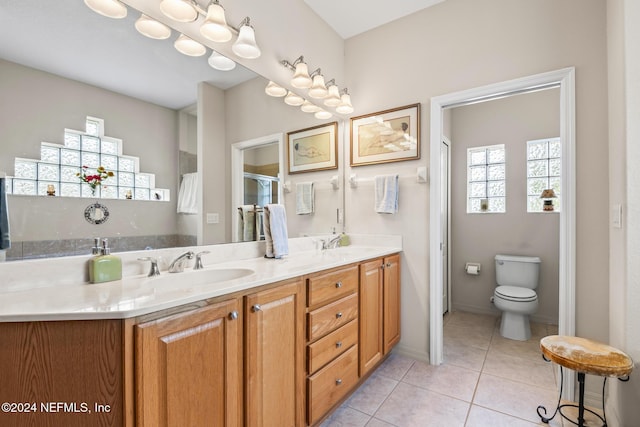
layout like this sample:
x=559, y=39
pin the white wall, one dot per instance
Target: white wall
x=510, y=121
x=38, y=106
x=624, y=186
x=461, y=44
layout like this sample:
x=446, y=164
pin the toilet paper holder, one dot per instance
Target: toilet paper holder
x=472, y=268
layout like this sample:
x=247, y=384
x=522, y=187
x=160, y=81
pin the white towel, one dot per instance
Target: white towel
x=5, y=236
x=304, y=198
x=386, y=189
x=249, y=223
x=275, y=231
x=188, y=194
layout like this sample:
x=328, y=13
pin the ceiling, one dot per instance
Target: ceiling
x=66, y=38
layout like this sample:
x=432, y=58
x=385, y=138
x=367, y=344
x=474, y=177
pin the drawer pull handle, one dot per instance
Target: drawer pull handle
x=338, y=315
x=256, y=308
x=338, y=284
x=339, y=344
x=338, y=381
x=233, y=315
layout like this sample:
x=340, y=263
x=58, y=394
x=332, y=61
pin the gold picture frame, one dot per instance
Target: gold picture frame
x=313, y=149
x=386, y=136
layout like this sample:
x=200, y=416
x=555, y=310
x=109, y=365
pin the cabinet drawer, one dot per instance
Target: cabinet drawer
x=331, y=316
x=326, y=349
x=331, y=383
x=329, y=286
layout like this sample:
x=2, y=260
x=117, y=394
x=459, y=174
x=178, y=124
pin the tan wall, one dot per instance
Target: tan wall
x=479, y=237
x=461, y=44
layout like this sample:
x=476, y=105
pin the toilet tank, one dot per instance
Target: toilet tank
x=522, y=271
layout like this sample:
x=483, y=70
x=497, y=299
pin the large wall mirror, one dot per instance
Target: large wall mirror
x=62, y=63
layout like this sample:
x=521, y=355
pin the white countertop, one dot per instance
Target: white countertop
x=33, y=300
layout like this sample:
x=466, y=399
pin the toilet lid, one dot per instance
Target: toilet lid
x=516, y=293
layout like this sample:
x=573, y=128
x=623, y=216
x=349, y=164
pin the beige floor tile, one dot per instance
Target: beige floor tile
x=469, y=319
x=530, y=370
x=513, y=398
x=525, y=349
x=410, y=406
x=445, y=379
x=395, y=367
x=459, y=354
x=483, y=417
x=378, y=423
x=476, y=336
x=371, y=394
x=346, y=417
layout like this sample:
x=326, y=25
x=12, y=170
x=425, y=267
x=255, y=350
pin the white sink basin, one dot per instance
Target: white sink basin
x=209, y=276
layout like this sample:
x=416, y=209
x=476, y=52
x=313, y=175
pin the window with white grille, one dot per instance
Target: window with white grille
x=486, y=179
x=544, y=171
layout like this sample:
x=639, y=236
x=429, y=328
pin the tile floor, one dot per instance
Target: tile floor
x=486, y=380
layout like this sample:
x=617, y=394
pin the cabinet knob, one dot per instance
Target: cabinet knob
x=233, y=315
x=338, y=284
x=338, y=344
x=256, y=308
x=338, y=315
x=338, y=381
x=388, y=265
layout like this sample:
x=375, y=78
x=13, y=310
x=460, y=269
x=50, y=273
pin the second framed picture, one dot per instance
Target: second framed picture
x=313, y=149
x=386, y=136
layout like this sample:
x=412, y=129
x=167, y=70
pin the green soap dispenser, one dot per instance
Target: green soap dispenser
x=104, y=267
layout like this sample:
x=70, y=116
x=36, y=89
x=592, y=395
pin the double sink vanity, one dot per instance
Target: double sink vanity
x=243, y=341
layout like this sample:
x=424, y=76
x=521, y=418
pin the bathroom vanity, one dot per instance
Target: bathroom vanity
x=274, y=343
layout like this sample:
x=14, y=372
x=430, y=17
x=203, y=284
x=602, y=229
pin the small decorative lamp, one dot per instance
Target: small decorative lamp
x=548, y=195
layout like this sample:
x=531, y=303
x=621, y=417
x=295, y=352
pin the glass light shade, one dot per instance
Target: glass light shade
x=345, y=106
x=215, y=26
x=322, y=114
x=273, y=89
x=189, y=46
x=333, y=97
x=245, y=46
x=179, y=10
x=301, y=78
x=108, y=8
x=293, y=99
x=318, y=89
x=151, y=28
x=221, y=62
x=308, y=107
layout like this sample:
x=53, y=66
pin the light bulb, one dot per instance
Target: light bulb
x=245, y=45
x=109, y=8
x=189, y=46
x=179, y=10
x=151, y=28
x=221, y=62
x=274, y=89
x=215, y=26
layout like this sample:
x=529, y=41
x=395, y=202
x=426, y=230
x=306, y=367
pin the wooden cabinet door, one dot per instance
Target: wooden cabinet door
x=274, y=356
x=189, y=368
x=391, y=308
x=370, y=315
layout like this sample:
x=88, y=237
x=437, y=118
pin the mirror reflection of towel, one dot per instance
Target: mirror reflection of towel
x=188, y=194
x=304, y=198
x=5, y=237
x=386, y=189
x=275, y=231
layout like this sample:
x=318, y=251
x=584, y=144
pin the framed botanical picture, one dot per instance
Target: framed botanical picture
x=313, y=149
x=386, y=136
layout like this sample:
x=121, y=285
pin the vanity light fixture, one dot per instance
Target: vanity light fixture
x=345, y=106
x=322, y=115
x=293, y=99
x=333, y=95
x=189, y=47
x=308, y=107
x=151, y=28
x=274, y=89
x=318, y=89
x=301, y=78
x=215, y=26
x=109, y=8
x=221, y=62
x=180, y=10
x=245, y=45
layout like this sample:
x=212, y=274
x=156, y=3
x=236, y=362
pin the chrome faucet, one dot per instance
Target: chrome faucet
x=331, y=243
x=198, y=264
x=154, y=271
x=177, y=265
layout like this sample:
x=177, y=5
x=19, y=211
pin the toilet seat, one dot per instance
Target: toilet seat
x=516, y=293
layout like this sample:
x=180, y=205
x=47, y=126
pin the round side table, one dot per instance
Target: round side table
x=585, y=357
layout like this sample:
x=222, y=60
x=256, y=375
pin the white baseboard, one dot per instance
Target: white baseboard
x=495, y=312
x=411, y=353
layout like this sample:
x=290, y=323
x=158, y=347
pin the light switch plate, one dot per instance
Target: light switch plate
x=616, y=216
x=213, y=218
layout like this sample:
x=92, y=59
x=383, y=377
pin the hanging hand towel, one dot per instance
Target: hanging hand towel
x=304, y=198
x=246, y=223
x=386, y=198
x=188, y=194
x=5, y=238
x=275, y=231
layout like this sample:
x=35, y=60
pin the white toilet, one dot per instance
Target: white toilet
x=516, y=277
